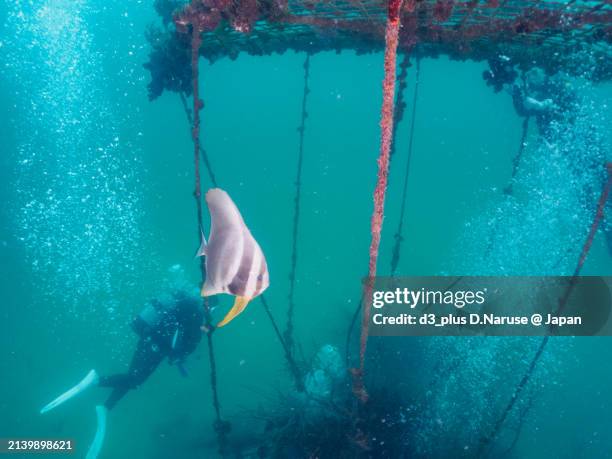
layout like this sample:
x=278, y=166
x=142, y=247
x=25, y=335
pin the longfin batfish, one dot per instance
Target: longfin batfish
x=235, y=264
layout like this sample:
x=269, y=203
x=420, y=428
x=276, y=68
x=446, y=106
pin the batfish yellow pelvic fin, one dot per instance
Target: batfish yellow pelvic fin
x=239, y=305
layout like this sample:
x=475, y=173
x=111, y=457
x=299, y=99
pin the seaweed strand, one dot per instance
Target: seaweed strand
x=599, y=214
x=288, y=334
x=386, y=126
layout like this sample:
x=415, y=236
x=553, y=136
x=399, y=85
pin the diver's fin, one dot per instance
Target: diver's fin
x=91, y=379
x=202, y=250
x=96, y=444
x=175, y=338
x=182, y=369
x=239, y=305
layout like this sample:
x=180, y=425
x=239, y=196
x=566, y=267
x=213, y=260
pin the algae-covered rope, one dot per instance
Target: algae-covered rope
x=400, y=103
x=288, y=334
x=399, y=114
x=295, y=372
x=395, y=255
x=221, y=427
x=386, y=127
x=205, y=158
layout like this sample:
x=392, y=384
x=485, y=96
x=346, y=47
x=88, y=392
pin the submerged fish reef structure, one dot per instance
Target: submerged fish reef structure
x=549, y=33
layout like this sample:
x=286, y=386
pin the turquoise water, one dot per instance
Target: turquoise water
x=97, y=200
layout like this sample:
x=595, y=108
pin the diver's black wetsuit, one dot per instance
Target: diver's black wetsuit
x=166, y=329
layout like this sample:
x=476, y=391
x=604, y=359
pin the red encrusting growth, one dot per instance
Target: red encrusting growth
x=386, y=129
x=247, y=13
x=442, y=11
x=546, y=34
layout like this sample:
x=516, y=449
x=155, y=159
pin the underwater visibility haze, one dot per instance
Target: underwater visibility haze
x=304, y=146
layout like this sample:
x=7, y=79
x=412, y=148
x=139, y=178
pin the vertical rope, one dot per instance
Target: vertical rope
x=395, y=256
x=386, y=127
x=221, y=427
x=288, y=335
x=599, y=214
x=203, y=152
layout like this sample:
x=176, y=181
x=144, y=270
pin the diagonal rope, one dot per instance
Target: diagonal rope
x=599, y=214
x=295, y=371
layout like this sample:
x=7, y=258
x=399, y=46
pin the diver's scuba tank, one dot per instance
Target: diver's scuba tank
x=150, y=318
x=161, y=316
x=172, y=322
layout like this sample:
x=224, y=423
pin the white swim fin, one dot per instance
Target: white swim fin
x=96, y=444
x=175, y=338
x=92, y=378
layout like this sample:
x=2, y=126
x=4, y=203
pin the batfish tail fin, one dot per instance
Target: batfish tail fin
x=239, y=305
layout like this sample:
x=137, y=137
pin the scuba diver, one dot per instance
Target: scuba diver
x=547, y=98
x=167, y=328
x=501, y=72
x=552, y=101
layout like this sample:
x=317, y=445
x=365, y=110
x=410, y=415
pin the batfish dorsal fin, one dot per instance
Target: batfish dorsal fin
x=203, y=244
